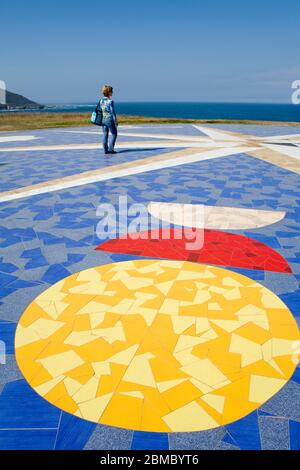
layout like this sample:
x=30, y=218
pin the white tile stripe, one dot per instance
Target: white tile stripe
x=157, y=165
x=293, y=152
x=217, y=134
x=280, y=137
x=152, y=136
x=17, y=138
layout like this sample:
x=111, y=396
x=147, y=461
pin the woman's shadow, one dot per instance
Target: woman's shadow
x=140, y=150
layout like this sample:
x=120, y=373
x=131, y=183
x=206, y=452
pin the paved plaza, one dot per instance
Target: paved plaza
x=145, y=341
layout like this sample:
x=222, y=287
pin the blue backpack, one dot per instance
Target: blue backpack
x=97, y=116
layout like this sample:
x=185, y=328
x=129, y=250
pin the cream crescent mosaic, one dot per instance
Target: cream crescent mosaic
x=162, y=346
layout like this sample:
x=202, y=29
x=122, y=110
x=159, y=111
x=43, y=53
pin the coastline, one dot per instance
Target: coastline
x=31, y=121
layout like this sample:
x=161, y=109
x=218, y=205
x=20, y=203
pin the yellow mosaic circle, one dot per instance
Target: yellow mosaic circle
x=161, y=346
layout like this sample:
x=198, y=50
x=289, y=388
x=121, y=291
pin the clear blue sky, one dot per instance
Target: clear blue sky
x=151, y=50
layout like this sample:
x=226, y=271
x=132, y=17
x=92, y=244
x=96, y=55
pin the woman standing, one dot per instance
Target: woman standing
x=109, y=121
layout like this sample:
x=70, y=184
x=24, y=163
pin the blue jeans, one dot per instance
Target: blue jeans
x=109, y=128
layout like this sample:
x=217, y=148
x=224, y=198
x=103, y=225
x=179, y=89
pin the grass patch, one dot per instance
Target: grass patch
x=29, y=121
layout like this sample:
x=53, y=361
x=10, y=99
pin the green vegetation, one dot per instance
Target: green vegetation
x=28, y=121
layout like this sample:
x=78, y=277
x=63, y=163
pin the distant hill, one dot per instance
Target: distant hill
x=14, y=101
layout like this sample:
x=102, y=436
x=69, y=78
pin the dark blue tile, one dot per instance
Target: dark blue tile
x=228, y=439
x=6, y=279
x=294, y=427
x=296, y=375
x=246, y=432
x=21, y=407
x=36, y=263
x=7, y=267
x=73, y=432
x=74, y=258
x=149, y=441
x=25, y=439
x=263, y=413
x=55, y=273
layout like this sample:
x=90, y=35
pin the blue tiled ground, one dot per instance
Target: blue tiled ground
x=259, y=131
x=20, y=169
x=47, y=237
x=81, y=135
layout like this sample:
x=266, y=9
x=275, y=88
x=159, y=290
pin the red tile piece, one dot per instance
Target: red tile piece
x=219, y=248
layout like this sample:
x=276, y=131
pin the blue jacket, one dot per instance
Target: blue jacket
x=108, y=111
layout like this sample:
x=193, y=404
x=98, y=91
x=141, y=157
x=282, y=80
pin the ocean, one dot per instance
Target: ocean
x=190, y=110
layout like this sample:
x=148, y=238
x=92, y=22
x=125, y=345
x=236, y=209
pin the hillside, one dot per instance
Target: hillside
x=15, y=101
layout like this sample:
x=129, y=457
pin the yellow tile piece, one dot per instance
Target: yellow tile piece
x=78, y=338
x=254, y=333
x=204, y=388
x=152, y=421
x=236, y=409
x=212, y=412
x=231, y=282
x=180, y=324
x=214, y=306
x=201, y=297
x=140, y=372
x=288, y=330
x=215, y=401
x=285, y=365
x=92, y=410
x=134, y=283
x=263, y=388
x=45, y=328
x=40, y=377
x=181, y=394
x=164, y=287
x=123, y=411
x=98, y=350
x=72, y=385
x=186, y=342
x=170, y=307
x=239, y=389
x=124, y=357
x=189, y=418
x=26, y=336
x=253, y=314
x=202, y=325
x=233, y=294
x=58, y=364
x=186, y=357
x=210, y=334
x=44, y=388
x=111, y=335
x=228, y=325
x=97, y=318
x=163, y=386
x=87, y=392
x=92, y=288
x=133, y=394
x=282, y=347
x=270, y=300
x=250, y=352
x=250, y=310
x=88, y=275
x=205, y=371
x=93, y=307
x=57, y=392
x=185, y=275
x=82, y=323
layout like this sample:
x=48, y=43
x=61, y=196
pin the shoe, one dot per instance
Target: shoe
x=112, y=151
